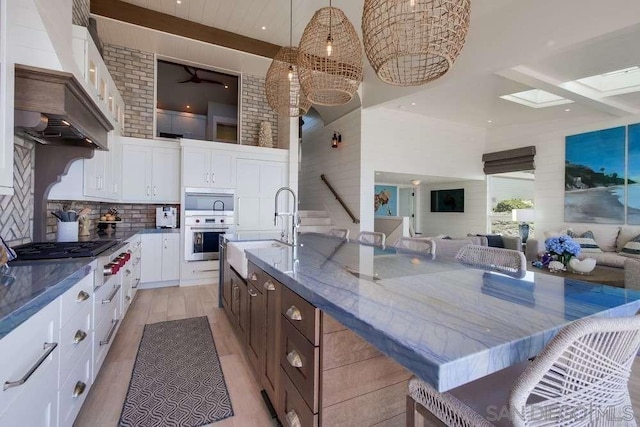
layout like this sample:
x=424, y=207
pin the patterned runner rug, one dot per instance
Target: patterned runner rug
x=177, y=379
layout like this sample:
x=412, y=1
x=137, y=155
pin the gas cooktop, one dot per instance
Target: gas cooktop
x=53, y=250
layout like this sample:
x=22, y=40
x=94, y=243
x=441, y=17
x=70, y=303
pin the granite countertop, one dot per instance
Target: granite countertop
x=446, y=323
x=28, y=286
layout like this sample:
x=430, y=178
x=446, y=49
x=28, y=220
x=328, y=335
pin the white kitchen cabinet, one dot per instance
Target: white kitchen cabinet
x=208, y=168
x=150, y=173
x=160, y=257
x=6, y=109
x=102, y=171
x=257, y=183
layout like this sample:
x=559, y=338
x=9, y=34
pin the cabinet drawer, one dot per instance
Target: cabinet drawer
x=254, y=276
x=74, y=390
x=293, y=406
x=76, y=299
x=106, y=299
x=103, y=337
x=75, y=339
x=21, y=349
x=301, y=361
x=301, y=314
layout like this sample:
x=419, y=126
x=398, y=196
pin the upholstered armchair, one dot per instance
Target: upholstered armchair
x=632, y=273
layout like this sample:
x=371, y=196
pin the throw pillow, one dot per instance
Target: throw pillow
x=586, y=241
x=632, y=248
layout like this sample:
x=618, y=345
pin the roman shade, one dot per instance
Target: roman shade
x=519, y=159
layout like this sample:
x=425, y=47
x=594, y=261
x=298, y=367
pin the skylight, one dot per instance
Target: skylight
x=536, y=98
x=616, y=82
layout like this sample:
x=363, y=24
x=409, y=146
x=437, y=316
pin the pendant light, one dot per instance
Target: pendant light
x=284, y=94
x=330, y=58
x=412, y=42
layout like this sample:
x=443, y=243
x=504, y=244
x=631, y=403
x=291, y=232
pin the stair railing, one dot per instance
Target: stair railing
x=339, y=199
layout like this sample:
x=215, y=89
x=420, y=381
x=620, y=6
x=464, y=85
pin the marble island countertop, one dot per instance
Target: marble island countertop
x=446, y=323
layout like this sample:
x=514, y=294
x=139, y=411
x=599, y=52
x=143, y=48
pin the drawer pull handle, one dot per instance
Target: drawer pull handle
x=79, y=389
x=48, y=347
x=113, y=294
x=252, y=293
x=294, y=359
x=204, y=271
x=82, y=296
x=254, y=277
x=79, y=336
x=137, y=284
x=114, y=325
x=268, y=285
x=128, y=298
x=293, y=419
x=293, y=313
x=128, y=272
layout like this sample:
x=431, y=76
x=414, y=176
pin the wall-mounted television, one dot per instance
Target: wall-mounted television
x=447, y=200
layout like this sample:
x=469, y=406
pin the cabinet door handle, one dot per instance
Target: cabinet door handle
x=294, y=359
x=165, y=243
x=48, y=347
x=78, y=389
x=114, y=325
x=252, y=293
x=137, y=284
x=148, y=190
x=128, y=298
x=154, y=190
x=204, y=271
x=128, y=272
x=268, y=285
x=213, y=177
x=82, y=296
x=79, y=336
x=293, y=313
x=235, y=292
x=254, y=277
x=113, y=294
x=293, y=420
x=206, y=177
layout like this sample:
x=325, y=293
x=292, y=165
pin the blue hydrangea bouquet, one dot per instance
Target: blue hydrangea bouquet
x=562, y=248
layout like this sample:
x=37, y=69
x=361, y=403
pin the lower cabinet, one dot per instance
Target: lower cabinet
x=314, y=370
x=160, y=257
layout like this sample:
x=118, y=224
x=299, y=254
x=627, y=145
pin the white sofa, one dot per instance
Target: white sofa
x=609, y=238
x=510, y=242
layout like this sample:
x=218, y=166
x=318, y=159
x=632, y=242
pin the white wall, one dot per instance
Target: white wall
x=340, y=165
x=396, y=141
x=456, y=224
x=549, y=140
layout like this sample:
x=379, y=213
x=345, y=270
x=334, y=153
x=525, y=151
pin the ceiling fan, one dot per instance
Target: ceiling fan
x=197, y=79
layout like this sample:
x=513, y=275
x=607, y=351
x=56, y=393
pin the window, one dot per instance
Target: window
x=508, y=191
x=196, y=103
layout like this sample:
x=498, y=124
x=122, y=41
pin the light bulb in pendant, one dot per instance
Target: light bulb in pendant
x=329, y=45
x=290, y=73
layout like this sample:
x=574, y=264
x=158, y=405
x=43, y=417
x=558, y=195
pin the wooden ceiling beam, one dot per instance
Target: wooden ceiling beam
x=136, y=15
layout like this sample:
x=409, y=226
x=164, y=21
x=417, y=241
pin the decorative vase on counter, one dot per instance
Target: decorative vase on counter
x=265, y=136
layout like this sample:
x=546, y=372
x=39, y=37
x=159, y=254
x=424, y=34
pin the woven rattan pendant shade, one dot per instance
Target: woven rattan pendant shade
x=330, y=79
x=412, y=42
x=284, y=94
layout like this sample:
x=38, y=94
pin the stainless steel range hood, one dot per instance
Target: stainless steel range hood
x=51, y=107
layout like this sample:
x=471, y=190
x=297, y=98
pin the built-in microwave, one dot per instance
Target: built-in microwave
x=208, y=201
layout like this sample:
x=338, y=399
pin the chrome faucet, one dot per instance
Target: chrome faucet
x=295, y=220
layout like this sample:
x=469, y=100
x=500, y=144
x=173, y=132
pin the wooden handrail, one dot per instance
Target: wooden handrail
x=339, y=199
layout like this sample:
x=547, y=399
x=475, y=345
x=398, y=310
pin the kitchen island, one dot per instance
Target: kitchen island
x=446, y=323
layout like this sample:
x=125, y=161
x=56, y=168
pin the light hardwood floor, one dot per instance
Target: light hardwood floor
x=104, y=402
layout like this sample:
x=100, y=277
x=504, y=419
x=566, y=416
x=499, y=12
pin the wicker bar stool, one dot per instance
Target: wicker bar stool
x=505, y=261
x=372, y=238
x=579, y=379
x=415, y=244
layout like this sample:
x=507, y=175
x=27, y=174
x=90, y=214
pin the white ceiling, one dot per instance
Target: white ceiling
x=512, y=45
x=383, y=177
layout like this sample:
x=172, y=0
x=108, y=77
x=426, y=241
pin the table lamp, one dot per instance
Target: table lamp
x=524, y=216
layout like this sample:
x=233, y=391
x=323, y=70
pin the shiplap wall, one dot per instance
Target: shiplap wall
x=401, y=142
x=549, y=140
x=456, y=224
x=340, y=165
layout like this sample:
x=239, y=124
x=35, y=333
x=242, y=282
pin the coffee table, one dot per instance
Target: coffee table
x=602, y=275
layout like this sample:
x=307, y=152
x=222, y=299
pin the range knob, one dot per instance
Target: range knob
x=111, y=269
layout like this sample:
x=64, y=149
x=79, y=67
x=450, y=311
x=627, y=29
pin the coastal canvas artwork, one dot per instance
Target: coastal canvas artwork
x=633, y=172
x=385, y=201
x=595, y=177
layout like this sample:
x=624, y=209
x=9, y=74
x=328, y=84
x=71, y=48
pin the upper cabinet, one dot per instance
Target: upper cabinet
x=150, y=171
x=6, y=109
x=97, y=78
x=208, y=168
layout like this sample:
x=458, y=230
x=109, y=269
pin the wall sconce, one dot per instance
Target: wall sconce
x=415, y=182
x=336, y=139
